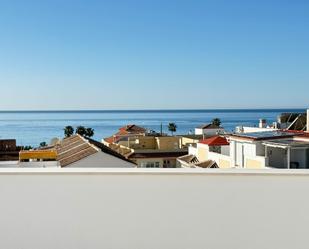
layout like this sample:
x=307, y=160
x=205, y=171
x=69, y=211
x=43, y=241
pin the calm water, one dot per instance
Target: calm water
x=31, y=128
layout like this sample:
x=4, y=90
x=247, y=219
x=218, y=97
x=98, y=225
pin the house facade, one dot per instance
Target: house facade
x=208, y=130
x=267, y=149
x=206, y=151
x=74, y=152
x=149, y=151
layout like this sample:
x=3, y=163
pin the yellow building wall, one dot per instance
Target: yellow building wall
x=202, y=154
x=37, y=154
x=167, y=143
x=253, y=164
x=224, y=164
x=185, y=141
x=144, y=142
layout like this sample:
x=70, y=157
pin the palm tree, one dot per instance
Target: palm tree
x=68, y=131
x=216, y=122
x=172, y=127
x=89, y=132
x=81, y=130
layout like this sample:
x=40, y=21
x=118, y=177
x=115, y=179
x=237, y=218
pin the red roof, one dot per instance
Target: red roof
x=126, y=130
x=215, y=141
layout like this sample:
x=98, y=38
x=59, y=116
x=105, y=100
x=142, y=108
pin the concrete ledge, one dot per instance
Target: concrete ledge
x=153, y=208
x=138, y=171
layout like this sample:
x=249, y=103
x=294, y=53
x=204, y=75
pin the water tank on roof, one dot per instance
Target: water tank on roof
x=262, y=123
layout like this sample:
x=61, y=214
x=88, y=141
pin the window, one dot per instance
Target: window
x=151, y=165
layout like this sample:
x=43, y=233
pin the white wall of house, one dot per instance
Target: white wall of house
x=218, y=157
x=101, y=160
x=242, y=152
x=225, y=150
x=192, y=150
x=248, y=129
x=209, y=132
x=166, y=209
x=239, y=154
x=249, y=150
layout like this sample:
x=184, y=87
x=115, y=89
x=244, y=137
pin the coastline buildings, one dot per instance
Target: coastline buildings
x=276, y=149
x=285, y=121
x=147, y=150
x=210, y=147
x=206, y=152
x=266, y=149
x=9, y=151
x=209, y=130
x=256, y=147
x=74, y=152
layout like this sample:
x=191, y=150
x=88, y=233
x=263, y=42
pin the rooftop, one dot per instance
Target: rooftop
x=73, y=149
x=215, y=141
x=131, y=129
x=285, y=143
x=265, y=135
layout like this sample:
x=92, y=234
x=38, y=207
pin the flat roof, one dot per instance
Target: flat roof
x=265, y=135
x=287, y=143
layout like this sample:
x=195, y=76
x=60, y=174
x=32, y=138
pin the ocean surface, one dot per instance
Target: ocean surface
x=34, y=127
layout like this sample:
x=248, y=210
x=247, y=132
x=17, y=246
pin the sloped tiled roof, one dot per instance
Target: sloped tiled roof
x=126, y=130
x=207, y=164
x=73, y=149
x=132, y=129
x=215, y=141
x=108, y=150
x=189, y=159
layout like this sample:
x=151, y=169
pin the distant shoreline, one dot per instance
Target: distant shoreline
x=160, y=110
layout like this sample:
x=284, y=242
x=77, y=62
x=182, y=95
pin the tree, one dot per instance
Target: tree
x=68, y=131
x=89, y=132
x=216, y=122
x=43, y=144
x=27, y=147
x=172, y=127
x=81, y=130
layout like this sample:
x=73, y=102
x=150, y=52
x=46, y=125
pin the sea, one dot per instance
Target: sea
x=34, y=127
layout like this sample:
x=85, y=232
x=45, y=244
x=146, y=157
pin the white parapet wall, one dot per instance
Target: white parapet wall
x=153, y=208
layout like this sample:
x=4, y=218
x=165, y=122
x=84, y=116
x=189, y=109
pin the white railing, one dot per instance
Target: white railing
x=153, y=208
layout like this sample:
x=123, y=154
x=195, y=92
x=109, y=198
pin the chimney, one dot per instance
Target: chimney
x=262, y=123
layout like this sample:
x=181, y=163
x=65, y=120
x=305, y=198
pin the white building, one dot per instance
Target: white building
x=271, y=149
x=206, y=152
x=208, y=130
x=276, y=149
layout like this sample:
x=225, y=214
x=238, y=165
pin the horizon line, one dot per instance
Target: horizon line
x=154, y=110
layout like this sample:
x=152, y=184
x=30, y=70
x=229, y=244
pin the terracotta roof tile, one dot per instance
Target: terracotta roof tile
x=215, y=141
x=73, y=149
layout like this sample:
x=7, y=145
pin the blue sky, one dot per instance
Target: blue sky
x=153, y=54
